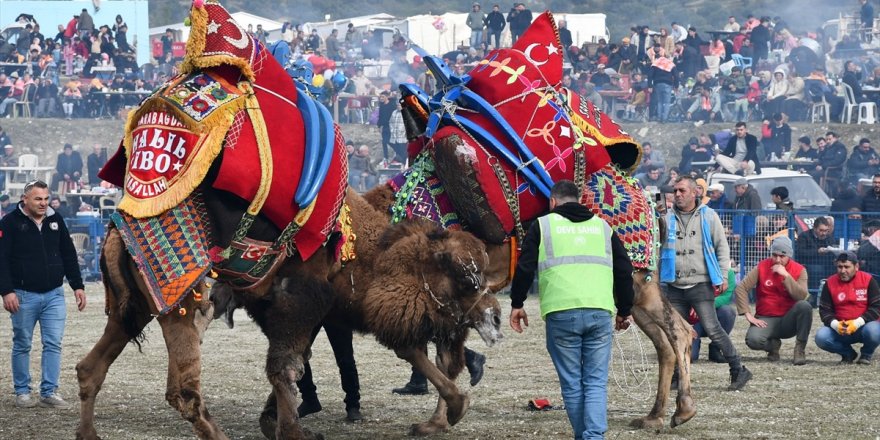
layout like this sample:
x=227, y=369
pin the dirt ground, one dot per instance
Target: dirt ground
x=818, y=400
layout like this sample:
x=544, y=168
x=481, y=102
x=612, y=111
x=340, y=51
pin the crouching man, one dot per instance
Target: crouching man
x=849, y=308
x=781, y=309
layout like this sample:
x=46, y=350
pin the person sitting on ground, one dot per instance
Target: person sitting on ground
x=747, y=197
x=726, y=317
x=850, y=315
x=779, y=195
x=741, y=154
x=781, y=309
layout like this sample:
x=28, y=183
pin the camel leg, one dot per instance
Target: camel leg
x=182, y=338
x=670, y=335
x=91, y=371
x=451, y=404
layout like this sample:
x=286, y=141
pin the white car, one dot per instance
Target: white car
x=803, y=191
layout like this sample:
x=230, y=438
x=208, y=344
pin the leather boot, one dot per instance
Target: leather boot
x=773, y=349
x=715, y=354
x=474, y=363
x=800, y=358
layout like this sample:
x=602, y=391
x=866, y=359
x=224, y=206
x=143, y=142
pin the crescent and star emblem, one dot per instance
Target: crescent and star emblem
x=551, y=49
x=528, y=54
x=242, y=41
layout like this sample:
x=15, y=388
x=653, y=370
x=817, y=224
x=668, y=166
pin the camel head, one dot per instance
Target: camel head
x=485, y=318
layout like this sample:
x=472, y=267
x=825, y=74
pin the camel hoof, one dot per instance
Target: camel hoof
x=268, y=423
x=647, y=423
x=685, y=411
x=426, y=428
x=87, y=434
x=457, y=407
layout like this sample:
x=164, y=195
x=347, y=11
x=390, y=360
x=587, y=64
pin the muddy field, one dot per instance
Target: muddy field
x=819, y=400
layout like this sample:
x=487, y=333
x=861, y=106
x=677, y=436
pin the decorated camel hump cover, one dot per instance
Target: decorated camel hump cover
x=233, y=108
x=505, y=132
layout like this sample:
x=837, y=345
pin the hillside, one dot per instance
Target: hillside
x=45, y=137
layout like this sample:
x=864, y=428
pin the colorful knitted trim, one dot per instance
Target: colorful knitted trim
x=170, y=251
x=418, y=192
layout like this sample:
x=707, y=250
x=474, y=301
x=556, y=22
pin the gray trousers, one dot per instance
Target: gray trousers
x=796, y=323
x=702, y=299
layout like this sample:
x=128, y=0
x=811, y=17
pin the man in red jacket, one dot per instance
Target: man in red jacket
x=781, y=309
x=849, y=308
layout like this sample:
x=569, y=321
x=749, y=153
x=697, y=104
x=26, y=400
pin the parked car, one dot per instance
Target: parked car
x=803, y=191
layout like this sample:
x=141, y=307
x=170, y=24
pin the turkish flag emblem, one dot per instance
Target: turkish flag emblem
x=253, y=253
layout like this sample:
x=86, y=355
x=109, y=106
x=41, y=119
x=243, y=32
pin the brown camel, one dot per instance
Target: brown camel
x=278, y=310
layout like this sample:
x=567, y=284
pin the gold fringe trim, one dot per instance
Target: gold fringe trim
x=263, y=148
x=195, y=47
x=606, y=141
x=212, y=130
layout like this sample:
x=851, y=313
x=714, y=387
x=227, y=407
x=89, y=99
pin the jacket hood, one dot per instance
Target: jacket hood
x=574, y=212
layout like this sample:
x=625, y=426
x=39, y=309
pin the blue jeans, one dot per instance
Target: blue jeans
x=579, y=343
x=726, y=317
x=869, y=335
x=476, y=38
x=51, y=312
x=663, y=97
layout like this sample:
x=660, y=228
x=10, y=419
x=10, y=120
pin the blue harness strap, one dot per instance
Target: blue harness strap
x=310, y=161
x=326, y=146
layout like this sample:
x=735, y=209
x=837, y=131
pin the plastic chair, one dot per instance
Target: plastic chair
x=741, y=61
x=80, y=242
x=25, y=103
x=820, y=110
x=867, y=113
x=107, y=205
x=849, y=105
x=28, y=161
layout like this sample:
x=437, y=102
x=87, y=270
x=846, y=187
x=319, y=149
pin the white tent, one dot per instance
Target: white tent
x=585, y=28
x=243, y=19
x=361, y=23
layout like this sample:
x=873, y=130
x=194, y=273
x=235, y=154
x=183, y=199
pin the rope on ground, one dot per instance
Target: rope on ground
x=629, y=364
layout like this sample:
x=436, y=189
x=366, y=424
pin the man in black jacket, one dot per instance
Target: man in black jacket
x=519, y=18
x=68, y=167
x=36, y=254
x=741, y=154
x=494, y=25
x=870, y=205
x=830, y=159
x=812, y=249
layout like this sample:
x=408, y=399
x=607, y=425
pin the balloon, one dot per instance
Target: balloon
x=318, y=81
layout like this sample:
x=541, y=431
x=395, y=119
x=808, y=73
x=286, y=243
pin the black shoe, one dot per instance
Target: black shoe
x=308, y=407
x=715, y=354
x=353, y=415
x=848, y=359
x=739, y=379
x=475, y=367
x=411, y=390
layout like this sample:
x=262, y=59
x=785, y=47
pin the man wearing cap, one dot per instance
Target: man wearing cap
x=781, y=309
x=627, y=55
x=741, y=153
x=747, y=197
x=849, y=309
x=695, y=258
x=717, y=198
